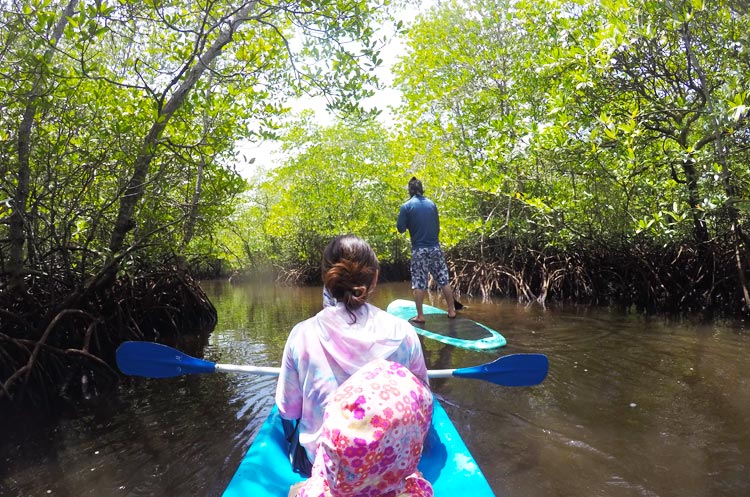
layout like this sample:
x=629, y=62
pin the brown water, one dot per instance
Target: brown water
x=633, y=406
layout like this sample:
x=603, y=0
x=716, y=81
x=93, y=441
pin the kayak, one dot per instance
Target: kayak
x=458, y=332
x=265, y=471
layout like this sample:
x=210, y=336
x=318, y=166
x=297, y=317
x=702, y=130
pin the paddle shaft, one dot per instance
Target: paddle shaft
x=440, y=373
x=259, y=370
x=271, y=371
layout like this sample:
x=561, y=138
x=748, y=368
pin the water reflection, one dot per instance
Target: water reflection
x=632, y=406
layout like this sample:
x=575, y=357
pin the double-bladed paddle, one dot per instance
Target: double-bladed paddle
x=155, y=360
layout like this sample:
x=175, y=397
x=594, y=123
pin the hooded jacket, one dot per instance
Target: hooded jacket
x=324, y=351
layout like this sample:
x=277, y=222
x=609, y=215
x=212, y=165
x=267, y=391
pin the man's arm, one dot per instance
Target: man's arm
x=403, y=219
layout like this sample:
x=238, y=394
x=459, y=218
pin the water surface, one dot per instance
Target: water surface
x=633, y=406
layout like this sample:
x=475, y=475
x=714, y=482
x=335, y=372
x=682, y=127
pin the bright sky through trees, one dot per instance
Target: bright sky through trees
x=266, y=153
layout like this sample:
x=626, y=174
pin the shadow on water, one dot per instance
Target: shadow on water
x=632, y=406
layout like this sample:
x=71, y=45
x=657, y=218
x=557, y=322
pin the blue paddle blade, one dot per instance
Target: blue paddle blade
x=515, y=370
x=154, y=360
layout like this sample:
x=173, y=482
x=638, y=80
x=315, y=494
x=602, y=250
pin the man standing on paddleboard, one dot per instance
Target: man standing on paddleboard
x=420, y=216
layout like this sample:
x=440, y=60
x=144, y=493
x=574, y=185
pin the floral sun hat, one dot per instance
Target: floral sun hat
x=373, y=433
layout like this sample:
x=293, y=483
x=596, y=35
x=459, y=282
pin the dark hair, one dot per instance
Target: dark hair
x=349, y=269
x=415, y=187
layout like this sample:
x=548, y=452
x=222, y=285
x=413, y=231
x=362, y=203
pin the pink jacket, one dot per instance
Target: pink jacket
x=323, y=351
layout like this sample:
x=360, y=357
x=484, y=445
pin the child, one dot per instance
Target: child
x=372, y=437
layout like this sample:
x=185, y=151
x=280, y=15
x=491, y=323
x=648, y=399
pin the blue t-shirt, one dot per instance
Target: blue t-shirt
x=420, y=216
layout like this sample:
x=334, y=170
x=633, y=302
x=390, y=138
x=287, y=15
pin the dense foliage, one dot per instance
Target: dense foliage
x=595, y=151
x=588, y=150
x=118, y=122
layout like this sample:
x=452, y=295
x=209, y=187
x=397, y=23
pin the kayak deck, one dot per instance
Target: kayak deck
x=458, y=332
x=446, y=463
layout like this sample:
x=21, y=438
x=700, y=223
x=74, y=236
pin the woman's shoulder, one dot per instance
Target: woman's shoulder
x=386, y=318
x=378, y=313
x=302, y=327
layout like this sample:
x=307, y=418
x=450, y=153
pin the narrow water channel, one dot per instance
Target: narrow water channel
x=633, y=406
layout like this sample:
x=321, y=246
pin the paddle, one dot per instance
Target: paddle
x=154, y=360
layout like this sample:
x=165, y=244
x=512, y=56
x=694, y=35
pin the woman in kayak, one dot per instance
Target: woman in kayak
x=324, y=351
x=372, y=436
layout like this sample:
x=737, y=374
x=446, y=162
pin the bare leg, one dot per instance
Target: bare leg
x=448, y=294
x=418, y=301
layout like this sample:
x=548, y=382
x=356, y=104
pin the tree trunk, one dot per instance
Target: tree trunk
x=18, y=221
x=700, y=230
x=739, y=238
x=193, y=212
x=136, y=186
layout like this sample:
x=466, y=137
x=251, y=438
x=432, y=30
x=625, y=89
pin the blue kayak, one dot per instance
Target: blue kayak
x=458, y=332
x=265, y=471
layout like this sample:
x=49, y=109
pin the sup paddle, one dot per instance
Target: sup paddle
x=155, y=360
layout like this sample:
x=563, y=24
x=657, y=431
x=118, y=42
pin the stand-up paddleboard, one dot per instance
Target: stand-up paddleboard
x=265, y=471
x=459, y=331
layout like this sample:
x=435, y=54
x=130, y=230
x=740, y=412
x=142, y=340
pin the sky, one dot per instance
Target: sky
x=266, y=153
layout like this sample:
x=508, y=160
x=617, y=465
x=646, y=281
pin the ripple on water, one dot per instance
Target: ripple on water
x=632, y=406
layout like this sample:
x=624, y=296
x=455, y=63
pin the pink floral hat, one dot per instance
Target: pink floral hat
x=373, y=433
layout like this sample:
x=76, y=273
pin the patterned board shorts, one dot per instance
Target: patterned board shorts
x=426, y=262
